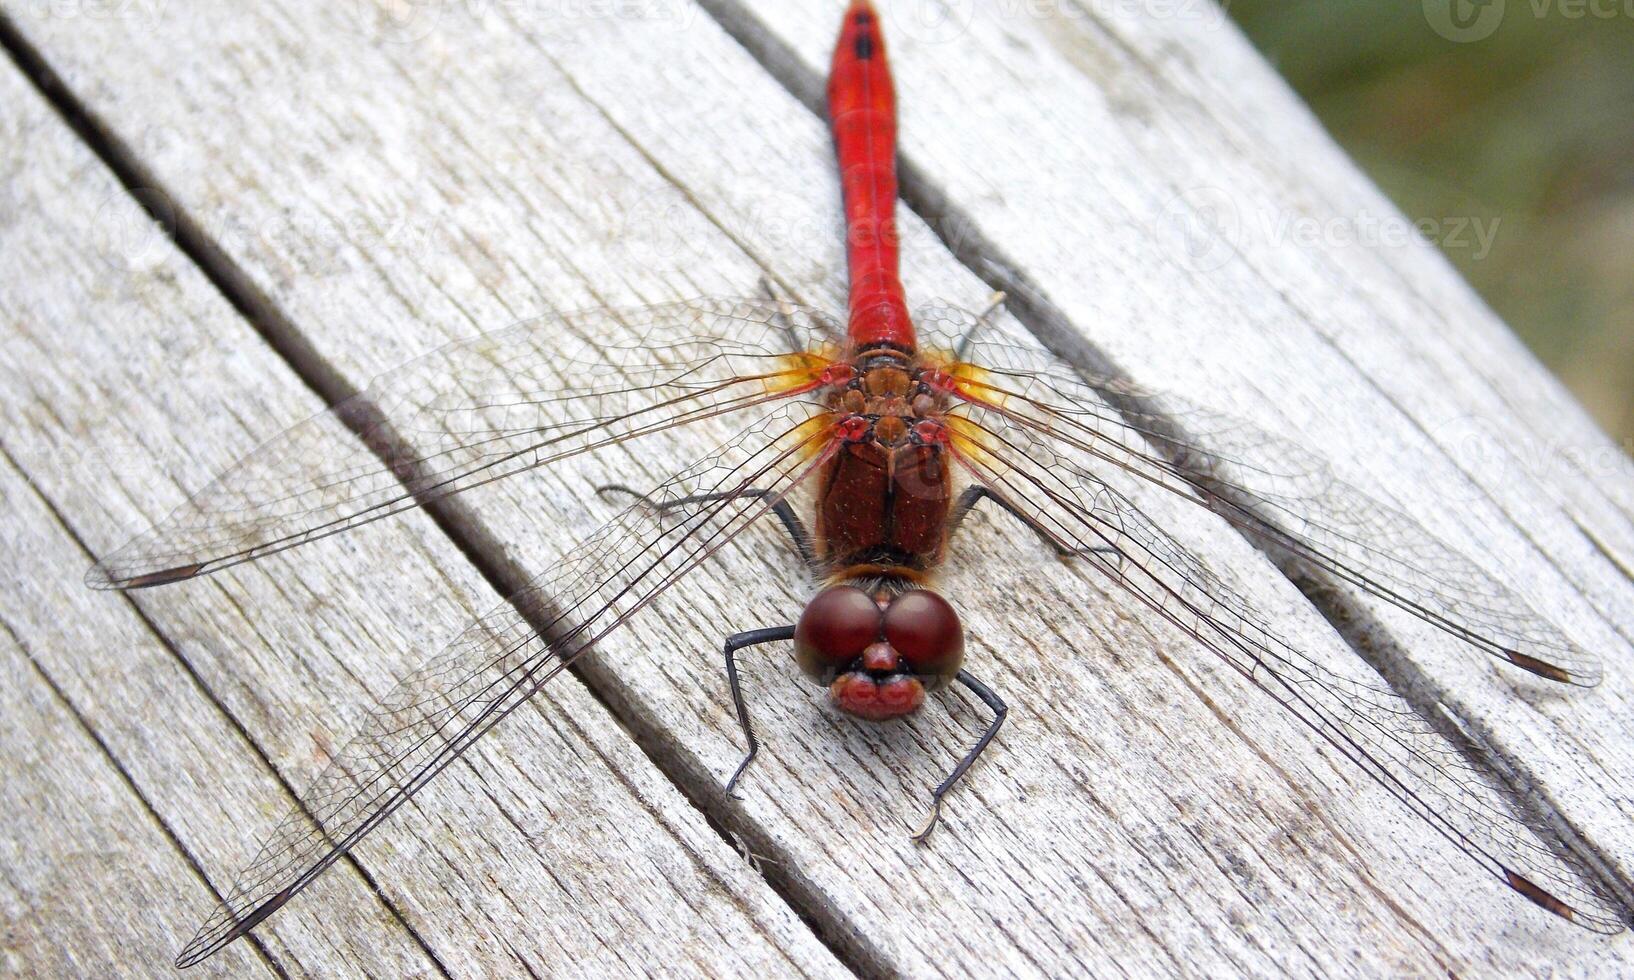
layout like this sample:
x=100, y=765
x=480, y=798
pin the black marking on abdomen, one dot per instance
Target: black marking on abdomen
x=864, y=47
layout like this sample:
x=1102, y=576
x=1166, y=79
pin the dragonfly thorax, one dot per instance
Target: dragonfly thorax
x=885, y=488
x=885, y=382
x=879, y=650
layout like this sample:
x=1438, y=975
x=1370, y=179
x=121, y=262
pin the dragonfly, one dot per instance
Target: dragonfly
x=869, y=442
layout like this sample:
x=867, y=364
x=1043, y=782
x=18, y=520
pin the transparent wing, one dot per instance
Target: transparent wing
x=473, y=412
x=1284, y=496
x=1049, y=482
x=435, y=714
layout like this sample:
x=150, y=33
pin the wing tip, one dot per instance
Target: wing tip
x=202, y=947
x=1539, y=896
x=1549, y=902
x=102, y=577
x=1578, y=677
x=209, y=942
x=99, y=577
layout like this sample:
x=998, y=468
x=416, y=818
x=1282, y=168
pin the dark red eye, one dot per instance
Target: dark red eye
x=835, y=628
x=925, y=630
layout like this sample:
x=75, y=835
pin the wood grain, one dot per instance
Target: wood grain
x=206, y=701
x=373, y=181
x=1185, y=222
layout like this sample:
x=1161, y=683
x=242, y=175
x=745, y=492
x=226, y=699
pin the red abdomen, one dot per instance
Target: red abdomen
x=862, y=110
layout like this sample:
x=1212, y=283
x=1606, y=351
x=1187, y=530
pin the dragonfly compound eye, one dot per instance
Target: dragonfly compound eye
x=925, y=630
x=837, y=625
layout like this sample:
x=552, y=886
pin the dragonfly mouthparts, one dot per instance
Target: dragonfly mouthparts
x=875, y=698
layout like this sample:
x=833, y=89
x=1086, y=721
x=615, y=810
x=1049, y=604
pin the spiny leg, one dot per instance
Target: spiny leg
x=738, y=641
x=734, y=643
x=976, y=494
x=780, y=506
x=999, y=711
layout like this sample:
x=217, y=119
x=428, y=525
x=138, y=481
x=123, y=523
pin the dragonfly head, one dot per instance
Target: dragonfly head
x=879, y=652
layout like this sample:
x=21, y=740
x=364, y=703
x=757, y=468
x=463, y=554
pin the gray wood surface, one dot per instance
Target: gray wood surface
x=190, y=709
x=373, y=181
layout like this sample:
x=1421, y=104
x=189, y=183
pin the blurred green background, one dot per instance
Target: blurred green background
x=1514, y=111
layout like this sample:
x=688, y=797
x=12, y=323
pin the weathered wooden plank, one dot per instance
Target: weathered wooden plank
x=1178, y=215
x=81, y=849
x=126, y=377
x=700, y=186
x=187, y=761
x=1255, y=900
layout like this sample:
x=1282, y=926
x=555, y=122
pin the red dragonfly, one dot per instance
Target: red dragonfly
x=887, y=433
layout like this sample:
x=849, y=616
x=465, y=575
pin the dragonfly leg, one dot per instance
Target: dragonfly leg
x=734, y=643
x=976, y=494
x=999, y=711
x=781, y=507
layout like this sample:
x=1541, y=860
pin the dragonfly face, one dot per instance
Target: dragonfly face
x=879, y=651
